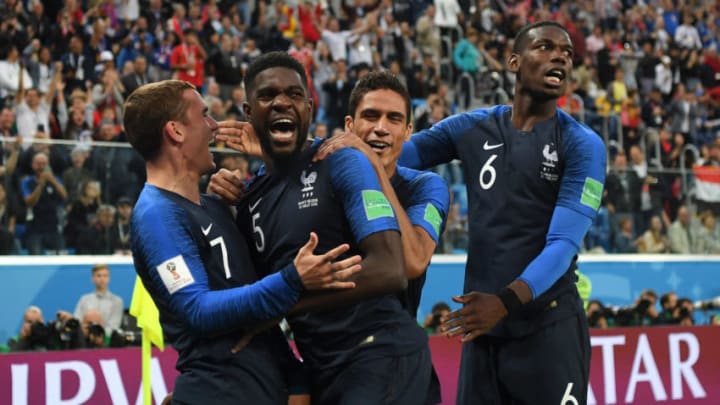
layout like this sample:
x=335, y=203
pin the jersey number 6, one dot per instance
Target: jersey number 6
x=488, y=171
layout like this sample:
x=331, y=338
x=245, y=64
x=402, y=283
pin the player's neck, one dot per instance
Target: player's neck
x=527, y=111
x=181, y=182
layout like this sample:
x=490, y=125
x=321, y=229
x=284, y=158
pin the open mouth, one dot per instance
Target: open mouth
x=555, y=76
x=378, y=146
x=282, y=130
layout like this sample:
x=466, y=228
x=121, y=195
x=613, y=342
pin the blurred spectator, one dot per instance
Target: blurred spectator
x=108, y=305
x=121, y=228
x=75, y=177
x=187, y=59
x=33, y=335
x=227, y=62
x=654, y=239
x=683, y=113
x=32, y=109
x=137, y=78
x=81, y=213
x=7, y=223
x=432, y=320
x=235, y=106
x=11, y=69
x=107, y=94
x=338, y=90
x=93, y=328
x=598, y=315
x=44, y=196
x=650, y=192
x=669, y=310
x=77, y=65
x=428, y=33
x=625, y=241
x=622, y=193
x=682, y=233
x=97, y=239
x=708, y=238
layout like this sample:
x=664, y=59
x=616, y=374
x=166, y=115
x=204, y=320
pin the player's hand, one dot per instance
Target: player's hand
x=480, y=313
x=321, y=271
x=227, y=185
x=239, y=136
x=345, y=140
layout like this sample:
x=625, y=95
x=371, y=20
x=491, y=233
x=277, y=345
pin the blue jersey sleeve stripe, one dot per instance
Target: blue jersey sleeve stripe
x=429, y=188
x=352, y=174
x=566, y=232
x=585, y=158
x=162, y=235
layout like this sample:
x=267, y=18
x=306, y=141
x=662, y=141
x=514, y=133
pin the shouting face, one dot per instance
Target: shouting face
x=280, y=111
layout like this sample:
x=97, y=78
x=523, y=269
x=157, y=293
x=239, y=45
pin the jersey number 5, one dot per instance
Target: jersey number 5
x=488, y=173
x=260, y=240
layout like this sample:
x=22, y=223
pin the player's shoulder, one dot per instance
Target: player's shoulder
x=576, y=132
x=421, y=179
x=472, y=117
x=346, y=159
x=152, y=205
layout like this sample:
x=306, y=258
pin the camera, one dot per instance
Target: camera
x=713, y=303
x=124, y=338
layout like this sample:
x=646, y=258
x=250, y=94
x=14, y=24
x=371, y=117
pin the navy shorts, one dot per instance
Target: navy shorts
x=398, y=380
x=548, y=367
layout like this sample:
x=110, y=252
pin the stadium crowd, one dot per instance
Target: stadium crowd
x=646, y=79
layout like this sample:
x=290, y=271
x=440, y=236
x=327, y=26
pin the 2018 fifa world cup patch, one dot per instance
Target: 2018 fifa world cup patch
x=432, y=216
x=592, y=193
x=175, y=273
x=376, y=205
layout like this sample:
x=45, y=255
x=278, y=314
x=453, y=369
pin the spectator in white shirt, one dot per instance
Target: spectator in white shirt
x=32, y=109
x=109, y=305
x=686, y=35
x=10, y=74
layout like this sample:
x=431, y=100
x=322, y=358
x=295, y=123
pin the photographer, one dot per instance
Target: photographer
x=60, y=334
x=598, y=316
x=668, y=303
x=643, y=313
x=33, y=334
x=432, y=321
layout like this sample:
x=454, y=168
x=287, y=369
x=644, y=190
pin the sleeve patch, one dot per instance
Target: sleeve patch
x=175, y=274
x=592, y=193
x=432, y=216
x=376, y=205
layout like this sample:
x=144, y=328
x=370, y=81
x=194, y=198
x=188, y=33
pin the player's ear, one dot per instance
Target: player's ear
x=513, y=62
x=246, y=109
x=349, y=124
x=173, y=131
x=311, y=105
x=408, y=132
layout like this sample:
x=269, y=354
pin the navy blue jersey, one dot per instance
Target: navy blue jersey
x=190, y=257
x=339, y=198
x=517, y=182
x=426, y=198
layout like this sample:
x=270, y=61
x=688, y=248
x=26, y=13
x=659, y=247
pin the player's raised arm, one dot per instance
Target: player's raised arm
x=421, y=233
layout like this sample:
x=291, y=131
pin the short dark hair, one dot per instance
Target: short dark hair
x=148, y=109
x=522, y=37
x=272, y=60
x=378, y=80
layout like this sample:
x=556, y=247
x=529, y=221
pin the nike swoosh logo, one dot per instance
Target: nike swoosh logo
x=206, y=231
x=487, y=146
x=253, y=206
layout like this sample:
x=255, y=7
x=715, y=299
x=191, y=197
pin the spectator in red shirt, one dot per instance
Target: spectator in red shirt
x=187, y=59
